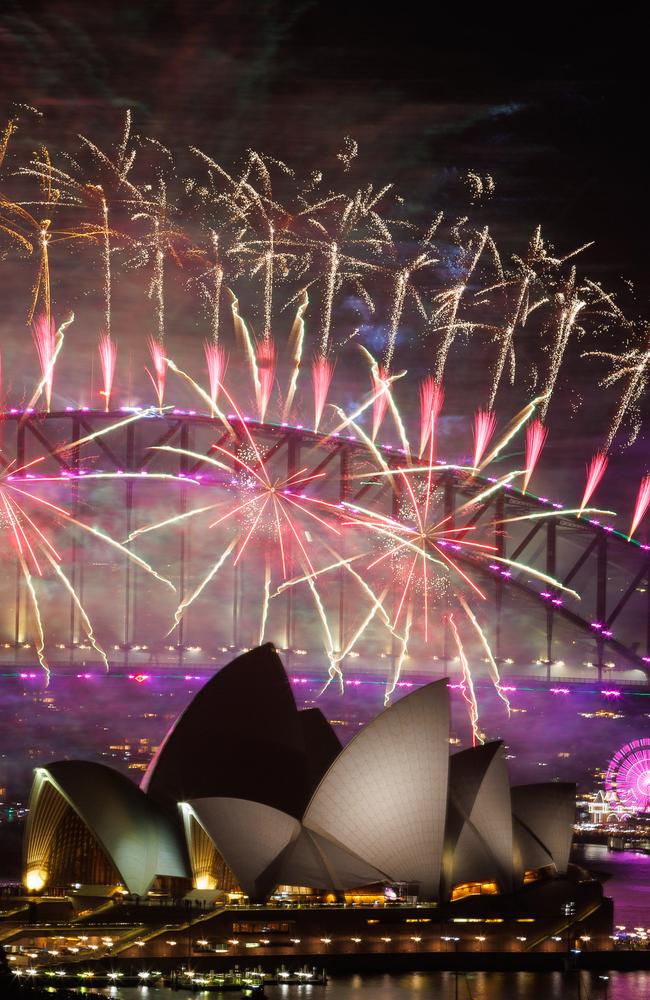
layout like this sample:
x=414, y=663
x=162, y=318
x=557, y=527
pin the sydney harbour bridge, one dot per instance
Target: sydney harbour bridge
x=108, y=469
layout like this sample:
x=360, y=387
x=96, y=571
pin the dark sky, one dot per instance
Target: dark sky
x=554, y=107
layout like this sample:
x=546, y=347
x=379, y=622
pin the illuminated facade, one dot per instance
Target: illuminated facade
x=247, y=793
x=89, y=824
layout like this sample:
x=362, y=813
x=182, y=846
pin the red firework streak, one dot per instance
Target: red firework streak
x=380, y=386
x=159, y=364
x=432, y=397
x=641, y=505
x=536, y=435
x=484, y=426
x=322, y=372
x=107, y=357
x=215, y=359
x=18, y=522
x=595, y=472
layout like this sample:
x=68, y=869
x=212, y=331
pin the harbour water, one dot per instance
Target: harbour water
x=628, y=883
x=441, y=986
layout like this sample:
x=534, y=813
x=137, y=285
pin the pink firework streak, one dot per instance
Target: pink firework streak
x=107, y=356
x=380, y=387
x=44, y=334
x=595, y=472
x=642, y=504
x=159, y=364
x=215, y=360
x=484, y=425
x=536, y=435
x=432, y=397
x=321, y=374
x=265, y=360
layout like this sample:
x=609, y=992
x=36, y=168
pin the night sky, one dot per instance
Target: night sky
x=555, y=112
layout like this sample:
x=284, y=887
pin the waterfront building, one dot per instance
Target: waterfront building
x=250, y=797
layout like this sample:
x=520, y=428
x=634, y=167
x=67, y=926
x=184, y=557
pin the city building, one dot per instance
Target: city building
x=248, y=796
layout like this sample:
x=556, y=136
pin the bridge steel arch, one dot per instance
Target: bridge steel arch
x=611, y=573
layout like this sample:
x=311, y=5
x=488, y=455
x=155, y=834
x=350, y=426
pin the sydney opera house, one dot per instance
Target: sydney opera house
x=249, y=797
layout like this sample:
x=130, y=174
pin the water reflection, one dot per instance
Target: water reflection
x=628, y=884
x=442, y=986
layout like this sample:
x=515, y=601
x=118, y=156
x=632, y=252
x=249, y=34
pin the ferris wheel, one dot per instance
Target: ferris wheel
x=628, y=776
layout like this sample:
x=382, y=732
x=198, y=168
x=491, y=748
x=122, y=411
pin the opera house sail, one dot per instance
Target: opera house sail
x=234, y=808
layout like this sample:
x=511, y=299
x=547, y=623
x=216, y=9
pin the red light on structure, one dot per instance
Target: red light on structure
x=140, y=678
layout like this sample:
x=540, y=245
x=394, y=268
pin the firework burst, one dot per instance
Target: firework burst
x=347, y=262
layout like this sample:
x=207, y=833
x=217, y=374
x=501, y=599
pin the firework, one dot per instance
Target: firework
x=266, y=507
x=432, y=397
x=37, y=235
x=159, y=365
x=44, y=334
x=339, y=245
x=265, y=364
x=595, y=472
x=380, y=383
x=632, y=367
x=73, y=193
x=215, y=360
x=403, y=288
x=107, y=357
x=351, y=267
x=296, y=347
x=536, y=435
x=517, y=314
x=322, y=373
x=27, y=535
x=484, y=426
x=467, y=684
x=446, y=304
x=641, y=505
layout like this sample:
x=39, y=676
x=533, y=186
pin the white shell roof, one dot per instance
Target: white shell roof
x=385, y=796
